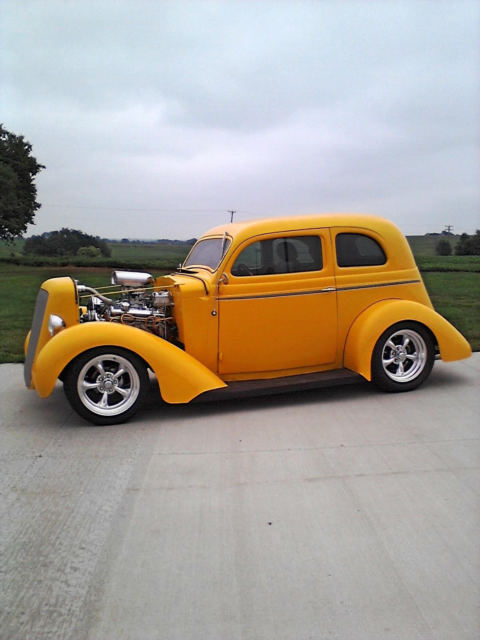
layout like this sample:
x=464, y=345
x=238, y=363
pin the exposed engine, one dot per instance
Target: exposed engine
x=135, y=303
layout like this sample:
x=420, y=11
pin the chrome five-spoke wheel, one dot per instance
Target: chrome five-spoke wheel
x=403, y=357
x=107, y=385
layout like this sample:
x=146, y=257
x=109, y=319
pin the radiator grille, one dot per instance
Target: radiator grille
x=37, y=322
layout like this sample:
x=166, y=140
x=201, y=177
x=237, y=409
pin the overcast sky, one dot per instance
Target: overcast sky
x=155, y=118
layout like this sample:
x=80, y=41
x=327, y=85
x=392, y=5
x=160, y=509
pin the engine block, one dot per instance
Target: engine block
x=140, y=306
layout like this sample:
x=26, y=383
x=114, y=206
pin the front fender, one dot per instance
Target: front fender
x=180, y=376
x=372, y=322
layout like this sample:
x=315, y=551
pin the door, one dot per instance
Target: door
x=278, y=310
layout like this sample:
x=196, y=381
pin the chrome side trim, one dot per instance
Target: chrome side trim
x=326, y=290
x=381, y=284
x=279, y=295
x=40, y=306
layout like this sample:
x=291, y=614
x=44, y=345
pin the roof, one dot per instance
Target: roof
x=260, y=226
x=393, y=238
x=394, y=242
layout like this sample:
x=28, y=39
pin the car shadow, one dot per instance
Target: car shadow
x=232, y=404
x=440, y=378
x=155, y=409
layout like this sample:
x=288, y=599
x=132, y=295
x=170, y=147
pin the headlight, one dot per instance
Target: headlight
x=55, y=324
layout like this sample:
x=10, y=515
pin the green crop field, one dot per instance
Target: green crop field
x=133, y=255
x=150, y=254
x=9, y=250
x=167, y=255
x=448, y=263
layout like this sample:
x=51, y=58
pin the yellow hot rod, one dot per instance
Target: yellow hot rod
x=257, y=306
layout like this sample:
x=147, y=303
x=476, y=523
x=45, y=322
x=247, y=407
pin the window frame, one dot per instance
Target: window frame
x=284, y=235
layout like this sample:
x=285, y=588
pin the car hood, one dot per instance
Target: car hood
x=188, y=282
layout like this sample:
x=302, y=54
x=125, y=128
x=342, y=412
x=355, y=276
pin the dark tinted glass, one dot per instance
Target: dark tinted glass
x=358, y=250
x=280, y=255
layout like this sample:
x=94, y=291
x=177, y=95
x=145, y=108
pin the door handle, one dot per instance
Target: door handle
x=328, y=289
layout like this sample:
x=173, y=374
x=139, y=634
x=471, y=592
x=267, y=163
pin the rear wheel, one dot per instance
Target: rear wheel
x=403, y=357
x=106, y=385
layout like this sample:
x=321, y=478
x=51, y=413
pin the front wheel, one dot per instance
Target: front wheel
x=403, y=357
x=106, y=385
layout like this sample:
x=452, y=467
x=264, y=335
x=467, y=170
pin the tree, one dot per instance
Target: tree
x=89, y=252
x=462, y=247
x=443, y=248
x=468, y=245
x=475, y=243
x=18, y=192
x=66, y=242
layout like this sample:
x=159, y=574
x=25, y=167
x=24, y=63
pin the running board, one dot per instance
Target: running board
x=302, y=382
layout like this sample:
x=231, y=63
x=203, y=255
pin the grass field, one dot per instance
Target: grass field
x=18, y=291
x=448, y=263
x=455, y=294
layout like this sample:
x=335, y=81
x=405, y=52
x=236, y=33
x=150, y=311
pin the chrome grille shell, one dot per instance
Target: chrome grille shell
x=38, y=315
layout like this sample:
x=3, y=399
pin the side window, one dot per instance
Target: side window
x=358, y=250
x=280, y=255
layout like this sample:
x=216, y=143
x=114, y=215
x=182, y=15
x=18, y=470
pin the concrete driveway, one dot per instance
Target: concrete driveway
x=336, y=514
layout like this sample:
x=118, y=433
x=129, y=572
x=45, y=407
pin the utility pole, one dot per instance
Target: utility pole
x=449, y=228
x=231, y=212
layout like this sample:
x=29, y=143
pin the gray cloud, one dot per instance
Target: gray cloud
x=149, y=116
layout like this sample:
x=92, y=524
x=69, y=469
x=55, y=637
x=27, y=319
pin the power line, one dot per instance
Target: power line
x=152, y=210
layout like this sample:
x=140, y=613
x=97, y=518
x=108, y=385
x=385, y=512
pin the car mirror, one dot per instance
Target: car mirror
x=223, y=279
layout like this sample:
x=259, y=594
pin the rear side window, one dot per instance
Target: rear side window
x=280, y=255
x=358, y=250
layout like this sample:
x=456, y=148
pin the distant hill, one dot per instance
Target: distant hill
x=175, y=251
x=164, y=241
x=425, y=245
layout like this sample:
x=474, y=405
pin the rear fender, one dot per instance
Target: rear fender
x=180, y=376
x=371, y=323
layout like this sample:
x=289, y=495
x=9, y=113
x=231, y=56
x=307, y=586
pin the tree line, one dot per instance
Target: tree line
x=467, y=245
x=66, y=242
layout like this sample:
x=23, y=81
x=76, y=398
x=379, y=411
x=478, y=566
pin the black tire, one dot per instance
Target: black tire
x=403, y=357
x=106, y=385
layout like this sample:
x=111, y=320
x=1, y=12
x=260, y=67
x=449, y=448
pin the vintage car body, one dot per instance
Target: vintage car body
x=269, y=304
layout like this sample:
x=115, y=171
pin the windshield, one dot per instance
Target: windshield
x=208, y=252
